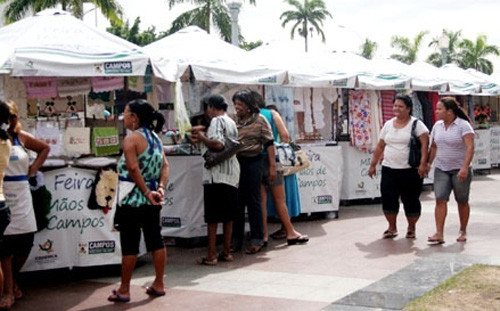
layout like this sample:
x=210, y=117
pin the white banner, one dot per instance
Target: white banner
x=495, y=145
x=182, y=213
x=482, y=150
x=319, y=185
x=75, y=235
x=356, y=183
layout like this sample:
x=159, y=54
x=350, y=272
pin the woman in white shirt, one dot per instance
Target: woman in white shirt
x=399, y=179
x=453, y=149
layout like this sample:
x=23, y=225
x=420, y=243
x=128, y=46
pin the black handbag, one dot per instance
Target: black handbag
x=231, y=147
x=415, y=148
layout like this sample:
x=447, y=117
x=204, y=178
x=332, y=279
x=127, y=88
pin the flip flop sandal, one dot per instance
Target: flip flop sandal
x=206, y=262
x=389, y=234
x=410, y=235
x=434, y=240
x=462, y=236
x=253, y=249
x=301, y=239
x=154, y=293
x=117, y=297
x=225, y=257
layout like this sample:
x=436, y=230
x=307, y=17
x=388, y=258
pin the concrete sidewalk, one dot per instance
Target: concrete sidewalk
x=345, y=266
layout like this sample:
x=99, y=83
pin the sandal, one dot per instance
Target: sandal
x=462, y=236
x=225, y=257
x=410, y=235
x=389, y=234
x=207, y=262
x=6, y=303
x=278, y=235
x=154, y=293
x=253, y=249
x=435, y=239
x=301, y=239
x=116, y=297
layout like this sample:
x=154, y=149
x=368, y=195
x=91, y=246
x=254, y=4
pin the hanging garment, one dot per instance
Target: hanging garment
x=376, y=117
x=427, y=109
x=434, y=98
x=73, y=86
x=40, y=87
x=359, y=119
x=282, y=98
x=417, y=111
x=104, y=84
x=387, y=103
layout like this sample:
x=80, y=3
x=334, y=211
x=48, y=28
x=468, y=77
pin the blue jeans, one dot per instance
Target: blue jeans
x=249, y=196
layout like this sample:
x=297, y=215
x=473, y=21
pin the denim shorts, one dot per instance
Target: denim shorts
x=446, y=181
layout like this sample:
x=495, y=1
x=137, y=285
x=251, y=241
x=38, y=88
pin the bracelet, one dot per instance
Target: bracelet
x=161, y=186
x=147, y=193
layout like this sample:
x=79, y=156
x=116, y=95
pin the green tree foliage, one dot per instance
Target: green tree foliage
x=250, y=45
x=474, y=54
x=312, y=12
x=16, y=9
x=409, y=49
x=206, y=13
x=133, y=34
x=368, y=48
x=451, y=51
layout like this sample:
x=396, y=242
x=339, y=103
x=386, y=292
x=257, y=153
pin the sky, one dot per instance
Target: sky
x=353, y=21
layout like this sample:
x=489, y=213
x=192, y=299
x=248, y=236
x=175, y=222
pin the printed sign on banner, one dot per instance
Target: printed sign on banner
x=356, y=183
x=75, y=235
x=182, y=212
x=495, y=145
x=319, y=184
x=482, y=148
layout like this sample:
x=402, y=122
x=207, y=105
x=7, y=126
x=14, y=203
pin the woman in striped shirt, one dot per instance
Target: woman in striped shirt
x=453, y=148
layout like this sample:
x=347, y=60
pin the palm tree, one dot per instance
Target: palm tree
x=368, y=48
x=409, y=49
x=206, y=13
x=16, y=9
x=451, y=51
x=473, y=55
x=311, y=12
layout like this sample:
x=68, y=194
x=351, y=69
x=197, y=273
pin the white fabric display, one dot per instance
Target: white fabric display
x=96, y=111
x=77, y=141
x=376, y=116
x=181, y=114
x=282, y=97
x=53, y=137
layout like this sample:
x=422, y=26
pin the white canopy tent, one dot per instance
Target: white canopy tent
x=315, y=69
x=460, y=82
x=210, y=59
x=426, y=77
x=54, y=43
x=489, y=87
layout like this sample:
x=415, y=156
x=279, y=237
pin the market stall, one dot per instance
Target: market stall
x=63, y=75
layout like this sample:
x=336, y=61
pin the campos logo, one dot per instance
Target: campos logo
x=101, y=247
x=118, y=67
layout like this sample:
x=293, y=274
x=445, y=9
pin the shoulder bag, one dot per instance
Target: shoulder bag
x=415, y=147
x=231, y=147
x=290, y=158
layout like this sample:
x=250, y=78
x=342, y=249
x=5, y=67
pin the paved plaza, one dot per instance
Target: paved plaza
x=345, y=266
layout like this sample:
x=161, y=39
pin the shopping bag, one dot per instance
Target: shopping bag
x=77, y=141
x=105, y=141
x=290, y=158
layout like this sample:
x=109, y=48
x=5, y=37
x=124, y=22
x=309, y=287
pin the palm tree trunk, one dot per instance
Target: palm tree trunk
x=306, y=33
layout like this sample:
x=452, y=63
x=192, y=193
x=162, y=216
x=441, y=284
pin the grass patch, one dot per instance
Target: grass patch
x=475, y=288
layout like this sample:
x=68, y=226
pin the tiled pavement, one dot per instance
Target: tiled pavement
x=346, y=266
